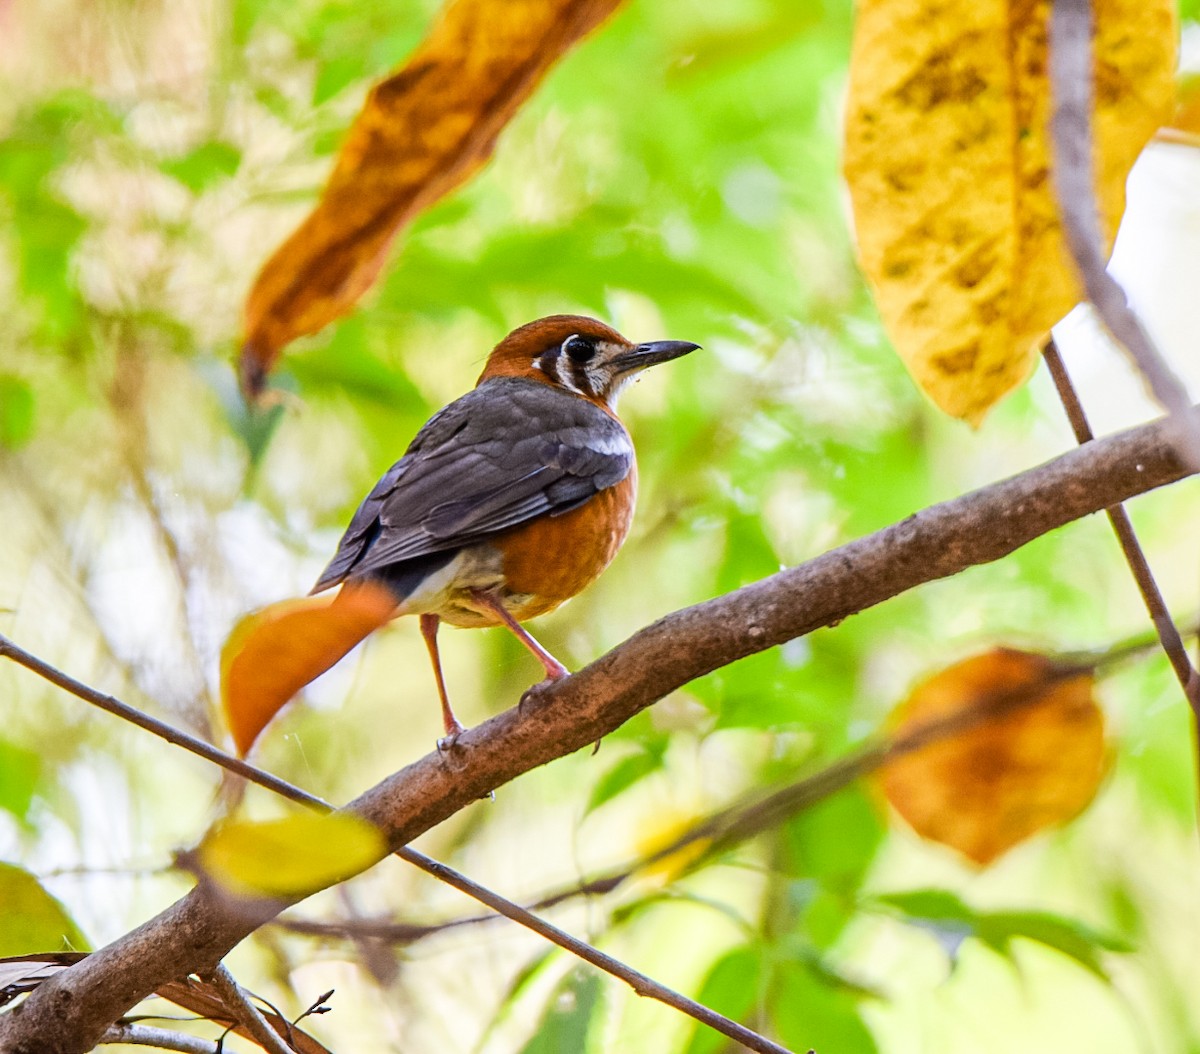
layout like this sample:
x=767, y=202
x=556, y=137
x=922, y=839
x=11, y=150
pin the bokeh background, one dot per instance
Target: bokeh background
x=677, y=175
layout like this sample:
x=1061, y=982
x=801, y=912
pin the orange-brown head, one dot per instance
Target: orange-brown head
x=579, y=355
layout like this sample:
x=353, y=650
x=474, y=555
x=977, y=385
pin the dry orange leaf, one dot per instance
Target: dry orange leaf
x=994, y=784
x=947, y=157
x=273, y=653
x=421, y=133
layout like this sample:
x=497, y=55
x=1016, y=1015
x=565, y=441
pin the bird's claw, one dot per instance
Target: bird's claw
x=449, y=742
x=533, y=691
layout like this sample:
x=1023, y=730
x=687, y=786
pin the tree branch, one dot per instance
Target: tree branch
x=249, y=1016
x=1071, y=70
x=162, y=1038
x=639, y=982
x=754, y=813
x=69, y=1014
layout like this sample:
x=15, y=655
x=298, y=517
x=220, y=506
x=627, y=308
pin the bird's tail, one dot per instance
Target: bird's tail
x=273, y=653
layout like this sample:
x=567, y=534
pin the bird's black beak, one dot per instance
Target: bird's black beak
x=652, y=354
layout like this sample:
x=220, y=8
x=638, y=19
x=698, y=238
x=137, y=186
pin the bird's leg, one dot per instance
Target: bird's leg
x=554, y=669
x=429, y=628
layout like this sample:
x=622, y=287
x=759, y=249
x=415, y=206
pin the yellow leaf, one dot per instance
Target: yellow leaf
x=421, y=133
x=289, y=857
x=947, y=157
x=273, y=653
x=989, y=787
x=660, y=830
x=1187, y=106
x=31, y=920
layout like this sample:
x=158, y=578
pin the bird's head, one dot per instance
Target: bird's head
x=579, y=355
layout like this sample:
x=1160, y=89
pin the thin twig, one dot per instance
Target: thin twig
x=162, y=1038
x=639, y=982
x=248, y=1014
x=1071, y=65
x=1139, y=566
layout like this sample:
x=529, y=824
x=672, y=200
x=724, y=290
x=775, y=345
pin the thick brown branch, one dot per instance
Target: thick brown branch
x=69, y=1013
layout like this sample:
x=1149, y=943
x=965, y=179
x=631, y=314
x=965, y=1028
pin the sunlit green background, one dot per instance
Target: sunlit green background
x=676, y=175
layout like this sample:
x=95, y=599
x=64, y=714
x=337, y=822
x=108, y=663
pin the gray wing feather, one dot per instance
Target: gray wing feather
x=507, y=452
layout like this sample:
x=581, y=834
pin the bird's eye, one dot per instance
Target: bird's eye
x=579, y=348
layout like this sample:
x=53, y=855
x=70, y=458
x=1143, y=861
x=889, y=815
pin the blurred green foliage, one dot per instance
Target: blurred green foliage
x=676, y=175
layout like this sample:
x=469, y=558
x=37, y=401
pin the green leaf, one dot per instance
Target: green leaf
x=814, y=1012
x=16, y=413
x=348, y=364
x=519, y=985
x=207, y=164
x=20, y=770
x=948, y=915
x=936, y=904
x=45, y=228
x=564, y=1027
x=31, y=920
x=733, y=987
x=1072, y=938
x=623, y=775
x=836, y=839
x=336, y=73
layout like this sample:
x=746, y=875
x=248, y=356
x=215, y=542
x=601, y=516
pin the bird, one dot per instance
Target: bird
x=511, y=499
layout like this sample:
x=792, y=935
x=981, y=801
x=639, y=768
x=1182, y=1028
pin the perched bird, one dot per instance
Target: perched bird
x=512, y=498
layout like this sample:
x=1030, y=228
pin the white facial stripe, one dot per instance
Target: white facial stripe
x=562, y=366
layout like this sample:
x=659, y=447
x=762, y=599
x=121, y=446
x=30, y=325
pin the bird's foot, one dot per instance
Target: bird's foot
x=449, y=742
x=534, y=690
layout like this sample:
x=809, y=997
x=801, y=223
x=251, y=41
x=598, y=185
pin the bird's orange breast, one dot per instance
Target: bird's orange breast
x=552, y=558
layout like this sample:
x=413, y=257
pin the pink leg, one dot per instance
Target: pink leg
x=429, y=628
x=554, y=669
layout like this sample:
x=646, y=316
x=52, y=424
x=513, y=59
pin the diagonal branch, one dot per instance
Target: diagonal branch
x=749, y=816
x=1168, y=633
x=248, y=1014
x=69, y=1013
x=1071, y=66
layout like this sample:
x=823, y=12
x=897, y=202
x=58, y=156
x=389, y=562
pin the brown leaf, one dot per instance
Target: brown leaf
x=273, y=653
x=947, y=158
x=23, y=973
x=988, y=787
x=421, y=133
x=202, y=998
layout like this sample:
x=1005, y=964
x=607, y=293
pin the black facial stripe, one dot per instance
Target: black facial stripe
x=579, y=375
x=565, y=370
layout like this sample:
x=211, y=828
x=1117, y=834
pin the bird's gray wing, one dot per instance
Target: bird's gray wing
x=507, y=452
